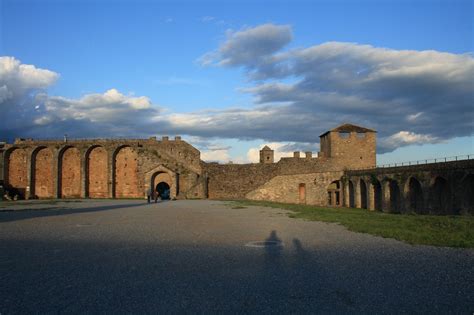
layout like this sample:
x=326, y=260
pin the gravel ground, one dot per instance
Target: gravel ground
x=126, y=256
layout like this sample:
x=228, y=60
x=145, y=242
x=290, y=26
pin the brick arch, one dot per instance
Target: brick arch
x=414, y=196
x=16, y=170
x=42, y=174
x=391, y=195
x=69, y=172
x=440, y=197
x=125, y=173
x=376, y=194
x=334, y=191
x=97, y=172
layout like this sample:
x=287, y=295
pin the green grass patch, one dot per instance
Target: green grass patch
x=452, y=231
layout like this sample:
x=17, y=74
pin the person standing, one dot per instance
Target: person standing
x=148, y=194
x=157, y=194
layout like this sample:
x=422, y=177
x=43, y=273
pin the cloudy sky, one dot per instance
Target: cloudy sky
x=232, y=76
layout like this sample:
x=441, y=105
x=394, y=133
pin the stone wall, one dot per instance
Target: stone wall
x=99, y=168
x=234, y=181
x=300, y=188
x=43, y=184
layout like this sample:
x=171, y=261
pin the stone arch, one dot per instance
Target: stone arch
x=440, y=197
x=161, y=181
x=392, y=195
x=97, y=172
x=363, y=194
x=377, y=195
x=414, y=196
x=351, y=194
x=334, y=191
x=467, y=194
x=16, y=171
x=162, y=174
x=125, y=173
x=69, y=172
x=42, y=174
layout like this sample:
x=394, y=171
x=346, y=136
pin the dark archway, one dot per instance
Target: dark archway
x=363, y=194
x=394, y=196
x=335, y=193
x=164, y=190
x=351, y=195
x=467, y=194
x=377, y=195
x=415, y=196
x=440, y=197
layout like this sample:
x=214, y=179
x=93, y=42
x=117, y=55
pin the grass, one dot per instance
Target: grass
x=451, y=231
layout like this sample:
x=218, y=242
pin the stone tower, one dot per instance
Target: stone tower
x=266, y=155
x=352, y=146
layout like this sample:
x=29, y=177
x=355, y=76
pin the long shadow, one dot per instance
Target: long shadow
x=16, y=215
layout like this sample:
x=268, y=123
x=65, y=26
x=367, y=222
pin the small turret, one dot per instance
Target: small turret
x=266, y=155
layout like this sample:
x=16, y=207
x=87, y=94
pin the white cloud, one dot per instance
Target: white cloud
x=18, y=80
x=404, y=138
x=250, y=45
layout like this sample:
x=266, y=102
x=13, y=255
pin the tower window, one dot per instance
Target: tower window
x=361, y=135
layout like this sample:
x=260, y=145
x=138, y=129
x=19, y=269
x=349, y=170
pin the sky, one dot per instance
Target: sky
x=232, y=76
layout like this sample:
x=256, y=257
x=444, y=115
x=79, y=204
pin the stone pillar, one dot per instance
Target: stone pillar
x=57, y=172
x=357, y=200
x=111, y=171
x=30, y=174
x=371, y=197
x=386, y=196
x=84, y=173
x=345, y=195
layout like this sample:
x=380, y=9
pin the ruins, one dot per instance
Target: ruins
x=343, y=173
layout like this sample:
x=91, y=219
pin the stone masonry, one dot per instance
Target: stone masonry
x=343, y=173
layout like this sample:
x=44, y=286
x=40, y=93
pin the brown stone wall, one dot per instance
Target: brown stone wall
x=286, y=188
x=353, y=152
x=234, y=181
x=18, y=170
x=126, y=174
x=71, y=173
x=97, y=177
x=43, y=174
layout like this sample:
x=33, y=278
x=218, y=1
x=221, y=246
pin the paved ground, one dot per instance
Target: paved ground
x=191, y=257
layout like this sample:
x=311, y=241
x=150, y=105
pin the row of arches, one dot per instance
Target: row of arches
x=73, y=173
x=409, y=197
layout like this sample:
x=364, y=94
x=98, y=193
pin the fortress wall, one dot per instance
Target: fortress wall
x=234, y=181
x=308, y=188
x=85, y=168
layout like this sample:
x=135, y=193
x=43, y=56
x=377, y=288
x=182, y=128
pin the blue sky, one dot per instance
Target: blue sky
x=175, y=55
